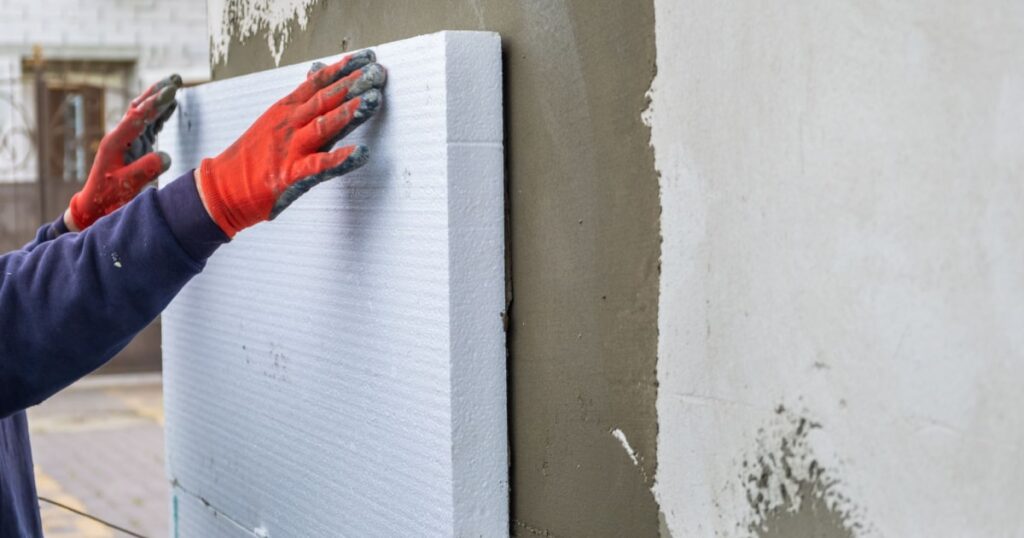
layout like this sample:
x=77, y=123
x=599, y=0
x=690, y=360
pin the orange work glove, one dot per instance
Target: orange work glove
x=125, y=161
x=287, y=150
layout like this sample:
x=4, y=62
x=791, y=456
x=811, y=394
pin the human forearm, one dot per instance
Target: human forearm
x=68, y=305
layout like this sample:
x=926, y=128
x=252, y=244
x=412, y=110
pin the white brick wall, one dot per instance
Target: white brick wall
x=160, y=37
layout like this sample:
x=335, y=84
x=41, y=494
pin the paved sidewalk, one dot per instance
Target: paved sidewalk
x=99, y=448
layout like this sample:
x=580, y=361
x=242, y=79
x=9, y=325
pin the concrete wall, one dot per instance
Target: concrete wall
x=841, y=311
x=825, y=270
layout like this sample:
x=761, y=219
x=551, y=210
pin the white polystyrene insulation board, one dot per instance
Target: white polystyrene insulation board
x=340, y=371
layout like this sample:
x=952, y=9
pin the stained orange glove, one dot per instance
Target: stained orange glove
x=287, y=150
x=125, y=161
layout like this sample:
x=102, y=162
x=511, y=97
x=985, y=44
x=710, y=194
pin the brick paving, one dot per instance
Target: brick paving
x=99, y=447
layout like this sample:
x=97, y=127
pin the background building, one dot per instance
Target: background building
x=68, y=68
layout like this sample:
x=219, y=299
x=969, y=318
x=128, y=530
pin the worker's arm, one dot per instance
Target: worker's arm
x=124, y=164
x=47, y=232
x=70, y=304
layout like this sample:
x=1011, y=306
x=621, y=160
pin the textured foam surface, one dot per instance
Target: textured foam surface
x=340, y=371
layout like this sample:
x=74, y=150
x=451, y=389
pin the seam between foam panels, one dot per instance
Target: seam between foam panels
x=176, y=485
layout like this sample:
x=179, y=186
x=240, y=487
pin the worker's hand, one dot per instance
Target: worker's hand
x=125, y=161
x=288, y=149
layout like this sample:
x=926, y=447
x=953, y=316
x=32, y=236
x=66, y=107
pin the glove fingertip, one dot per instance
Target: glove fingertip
x=368, y=54
x=166, y=96
x=315, y=67
x=370, y=101
x=358, y=158
x=360, y=155
x=165, y=161
x=356, y=61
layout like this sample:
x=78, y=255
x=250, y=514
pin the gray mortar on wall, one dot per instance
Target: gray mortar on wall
x=584, y=239
x=788, y=490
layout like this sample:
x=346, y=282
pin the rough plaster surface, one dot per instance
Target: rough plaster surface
x=341, y=370
x=242, y=19
x=843, y=245
x=584, y=242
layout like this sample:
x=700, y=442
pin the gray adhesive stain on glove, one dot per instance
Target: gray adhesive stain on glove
x=143, y=144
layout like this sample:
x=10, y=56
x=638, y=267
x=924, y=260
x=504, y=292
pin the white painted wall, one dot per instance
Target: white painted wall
x=160, y=37
x=843, y=228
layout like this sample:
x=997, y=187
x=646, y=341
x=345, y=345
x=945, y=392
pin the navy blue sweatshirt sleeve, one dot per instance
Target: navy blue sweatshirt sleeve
x=69, y=304
x=48, y=232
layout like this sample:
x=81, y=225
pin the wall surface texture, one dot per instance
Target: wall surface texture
x=583, y=216
x=808, y=318
x=842, y=296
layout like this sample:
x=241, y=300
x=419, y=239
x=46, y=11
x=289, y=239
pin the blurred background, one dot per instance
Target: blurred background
x=68, y=69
